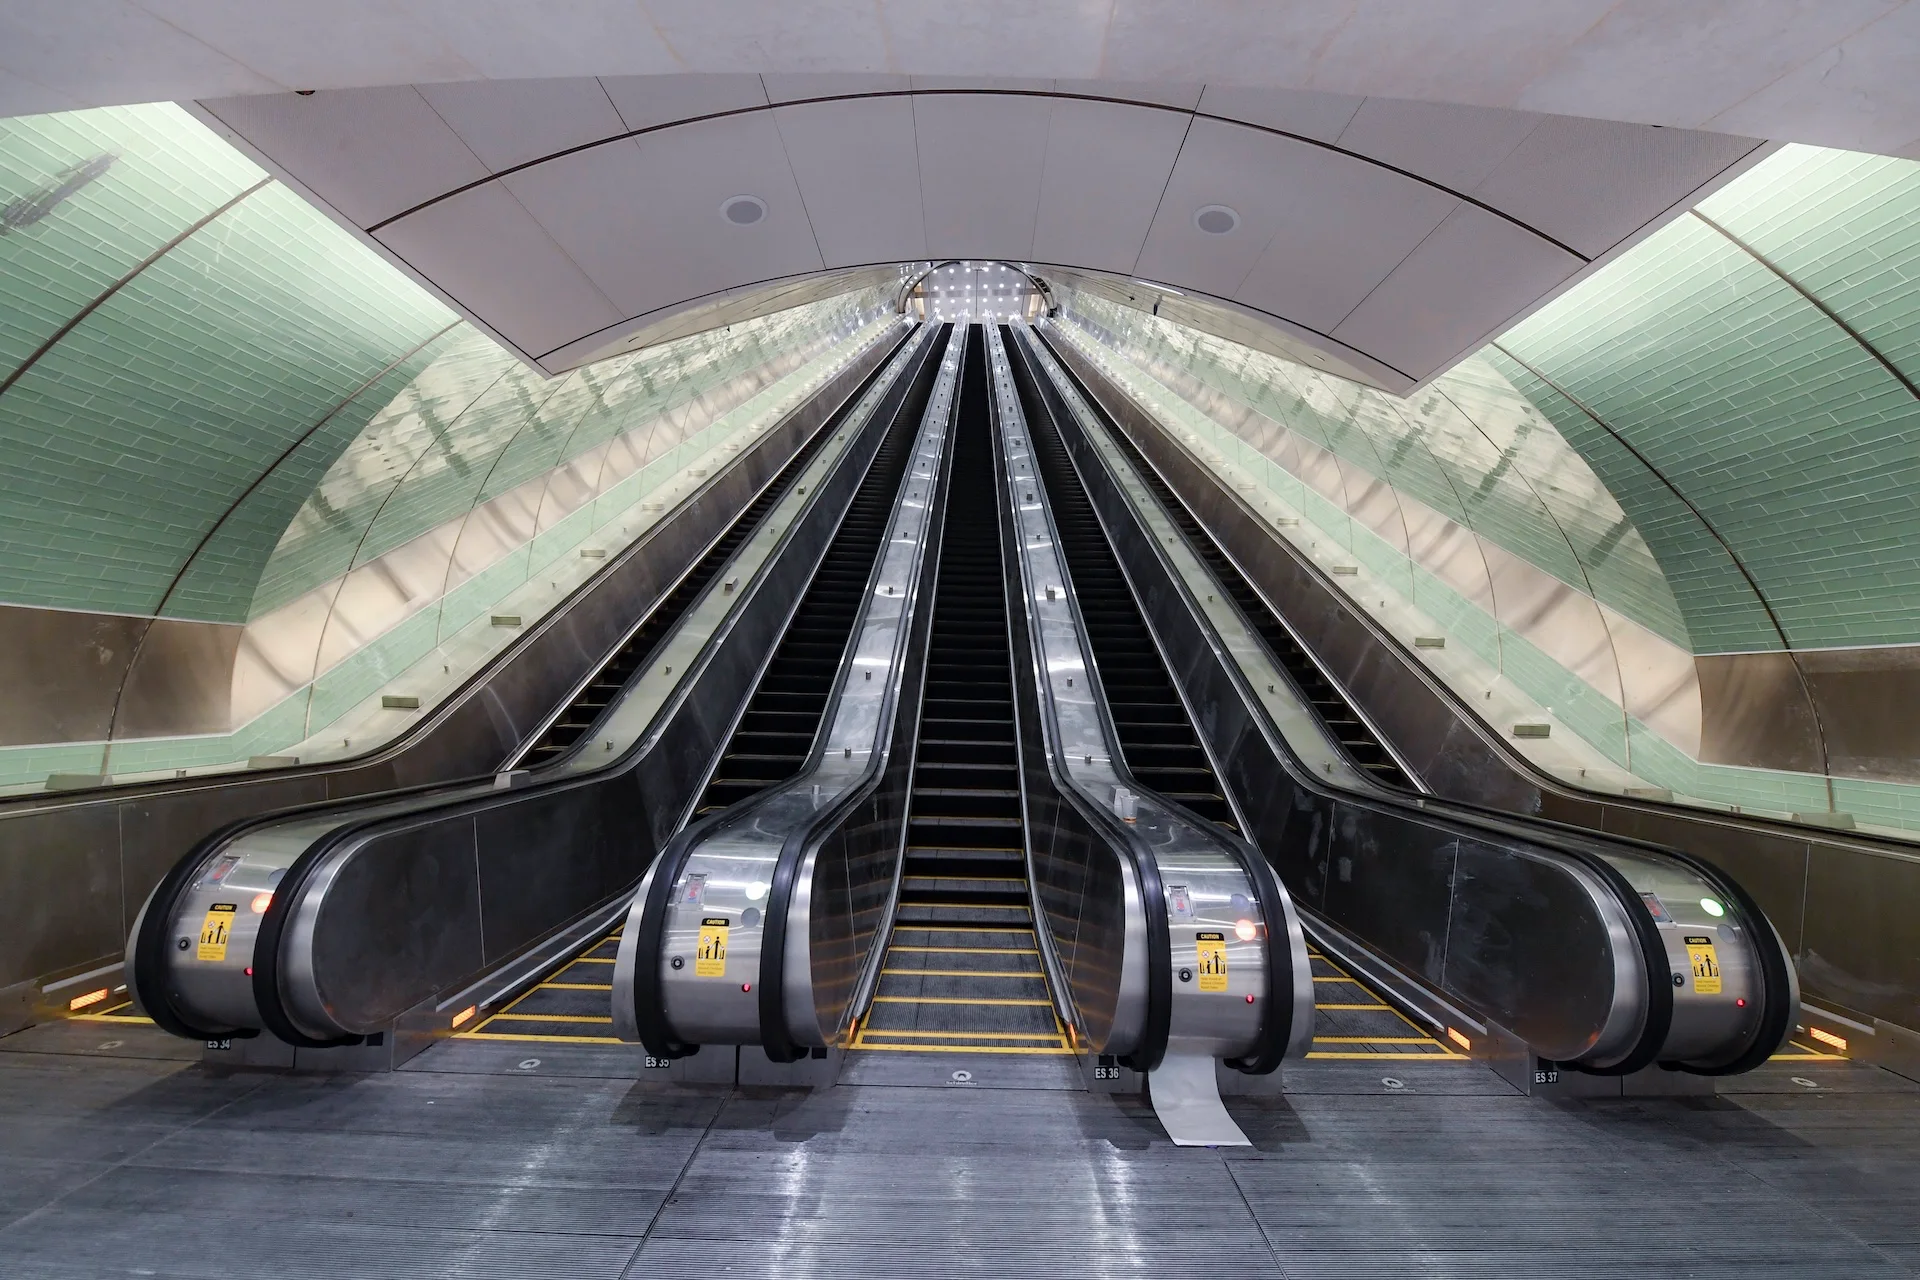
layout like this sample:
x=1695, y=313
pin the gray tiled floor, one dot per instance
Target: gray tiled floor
x=116, y=1163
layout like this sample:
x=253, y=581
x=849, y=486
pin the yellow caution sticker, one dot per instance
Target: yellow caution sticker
x=711, y=960
x=216, y=931
x=1706, y=966
x=1213, y=960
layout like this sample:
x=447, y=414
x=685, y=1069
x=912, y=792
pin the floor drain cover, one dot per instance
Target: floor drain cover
x=1391, y=1083
x=962, y=1077
x=529, y=1064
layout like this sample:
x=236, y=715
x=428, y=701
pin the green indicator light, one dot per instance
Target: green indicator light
x=1712, y=908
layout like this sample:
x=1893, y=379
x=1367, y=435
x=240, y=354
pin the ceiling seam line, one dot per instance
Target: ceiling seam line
x=59, y=334
x=798, y=191
x=1165, y=187
x=1432, y=231
x=1825, y=310
x=1003, y=93
x=867, y=266
x=1753, y=585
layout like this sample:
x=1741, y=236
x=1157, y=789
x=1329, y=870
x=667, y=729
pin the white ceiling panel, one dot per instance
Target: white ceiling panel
x=518, y=40
x=794, y=88
x=1320, y=116
x=980, y=165
x=773, y=35
x=1456, y=147
x=1337, y=227
x=1250, y=172
x=645, y=102
x=1466, y=280
x=322, y=46
x=1592, y=183
x=509, y=122
x=857, y=162
x=484, y=249
x=144, y=55
x=1105, y=169
x=642, y=217
x=370, y=153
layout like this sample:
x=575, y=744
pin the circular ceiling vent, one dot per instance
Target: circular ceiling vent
x=1215, y=219
x=743, y=211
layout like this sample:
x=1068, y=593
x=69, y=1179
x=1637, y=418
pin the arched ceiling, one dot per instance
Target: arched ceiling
x=1833, y=72
x=1380, y=238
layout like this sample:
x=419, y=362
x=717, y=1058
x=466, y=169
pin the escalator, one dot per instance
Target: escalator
x=1336, y=714
x=776, y=733
x=961, y=972
x=362, y=912
x=1585, y=949
x=577, y=719
x=1155, y=731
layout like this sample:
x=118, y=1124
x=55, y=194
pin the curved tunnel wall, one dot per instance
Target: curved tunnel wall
x=249, y=471
x=1676, y=505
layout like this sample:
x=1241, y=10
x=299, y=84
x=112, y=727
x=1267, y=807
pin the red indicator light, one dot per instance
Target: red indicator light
x=1741, y=1003
x=1249, y=999
x=746, y=986
x=249, y=971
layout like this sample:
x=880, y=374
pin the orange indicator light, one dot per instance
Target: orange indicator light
x=465, y=1014
x=1828, y=1038
x=1459, y=1039
x=81, y=1002
x=1244, y=930
x=261, y=901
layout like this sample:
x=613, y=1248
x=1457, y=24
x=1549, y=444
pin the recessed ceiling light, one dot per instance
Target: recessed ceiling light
x=743, y=211
x=1215, y=219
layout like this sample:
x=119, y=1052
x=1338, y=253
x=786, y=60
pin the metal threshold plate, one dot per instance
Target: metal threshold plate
x=1186, y=1097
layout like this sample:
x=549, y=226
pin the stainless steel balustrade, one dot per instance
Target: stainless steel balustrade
x=132, y=834
x=323, y=928
x=1132, y=958
x=1595, y=953
x=806, y=871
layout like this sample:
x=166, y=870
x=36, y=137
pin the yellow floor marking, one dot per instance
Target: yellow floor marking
x=966, y=973
x=1042, y=1004
x=1442, y=1056
x=1369, y=1008
x=480, y=1035
x=574, y=986
x=591, y=960
x=110, y=1017
x=968, y=1035
x=1375, y=1040
x=1320, y=979
x=1061, y=1052
x=970, y=951
x=548, y=1017
x=1806, y=1057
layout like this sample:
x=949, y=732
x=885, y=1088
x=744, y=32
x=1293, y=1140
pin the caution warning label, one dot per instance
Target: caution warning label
x=1705, y=964
x=711, y=960
x=1213, y=960
x=216, y=931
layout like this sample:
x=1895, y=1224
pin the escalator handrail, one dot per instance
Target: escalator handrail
x=1658, y=1019
x=1277, y=1029
x=459, y=801
x=649, y=1002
